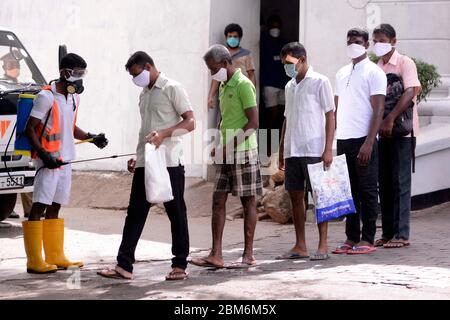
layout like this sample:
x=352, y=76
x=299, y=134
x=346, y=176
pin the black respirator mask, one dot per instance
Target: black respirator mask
x=74, y=80
x=73, y=87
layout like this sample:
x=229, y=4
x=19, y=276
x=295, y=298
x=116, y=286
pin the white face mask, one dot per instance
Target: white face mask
x=221, y=75
x=381, y=49
x=275, y=32
x=355, y=51
x=143, y=79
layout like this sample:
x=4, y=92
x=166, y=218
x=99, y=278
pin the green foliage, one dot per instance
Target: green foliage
x=373, y=57
x=428, y=76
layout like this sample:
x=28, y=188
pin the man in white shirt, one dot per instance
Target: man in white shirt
x=360, y=95
x=306, y=138
x=166, y=113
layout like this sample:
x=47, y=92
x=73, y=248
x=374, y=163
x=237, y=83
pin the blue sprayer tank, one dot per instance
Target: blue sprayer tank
x=24, y=105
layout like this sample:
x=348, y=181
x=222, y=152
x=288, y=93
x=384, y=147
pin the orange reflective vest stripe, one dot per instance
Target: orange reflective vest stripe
x=50, y=136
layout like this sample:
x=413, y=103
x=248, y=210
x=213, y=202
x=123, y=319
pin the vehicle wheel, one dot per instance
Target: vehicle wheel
x=7, y=204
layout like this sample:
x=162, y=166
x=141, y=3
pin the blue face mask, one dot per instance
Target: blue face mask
x=290, y=70
x=233, y=42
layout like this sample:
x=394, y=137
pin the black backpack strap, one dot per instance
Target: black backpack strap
x=45, y=126
x=33, y=152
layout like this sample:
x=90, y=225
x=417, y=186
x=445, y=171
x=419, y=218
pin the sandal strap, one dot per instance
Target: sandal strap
x=397, y=243
x=177, y=275
x=361, y=248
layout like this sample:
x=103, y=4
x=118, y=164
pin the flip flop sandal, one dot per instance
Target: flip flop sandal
x=319, y=256
x=113, y=274
x=291, y=256
x=381, y=242
x=362, y=250
x=240, y=265
x=396, y=244
x=178, y=275
x=201, y=262
x=342, y=249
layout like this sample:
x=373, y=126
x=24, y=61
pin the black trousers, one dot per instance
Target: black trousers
x=137, y=215
x=395, y=186
x=364, y=184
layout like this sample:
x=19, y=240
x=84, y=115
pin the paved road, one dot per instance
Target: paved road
x=421, y=271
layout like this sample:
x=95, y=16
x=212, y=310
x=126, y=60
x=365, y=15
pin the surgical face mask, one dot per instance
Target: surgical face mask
x=355, y=51
x=221, y=75
x=381, y=49
x=233, y=42
x=275, y=32
x=290, y=70
x=143, y=79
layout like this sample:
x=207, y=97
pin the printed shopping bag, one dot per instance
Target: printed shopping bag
x=331, y=190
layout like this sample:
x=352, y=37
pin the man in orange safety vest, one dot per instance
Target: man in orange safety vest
x=51, y=130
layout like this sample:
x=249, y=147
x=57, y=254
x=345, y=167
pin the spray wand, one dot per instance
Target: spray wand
x=103, y=158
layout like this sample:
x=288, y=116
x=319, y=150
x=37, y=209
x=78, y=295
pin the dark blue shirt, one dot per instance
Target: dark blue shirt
x=272, y=69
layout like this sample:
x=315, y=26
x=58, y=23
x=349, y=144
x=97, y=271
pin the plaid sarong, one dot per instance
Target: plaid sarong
x=243, y=178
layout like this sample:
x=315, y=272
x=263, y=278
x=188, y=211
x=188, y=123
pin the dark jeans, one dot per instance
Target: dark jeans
x=137, y=215
x=395, y=186
x=364, y=184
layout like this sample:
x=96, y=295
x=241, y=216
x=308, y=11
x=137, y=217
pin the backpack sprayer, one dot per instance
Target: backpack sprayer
x=23, y=147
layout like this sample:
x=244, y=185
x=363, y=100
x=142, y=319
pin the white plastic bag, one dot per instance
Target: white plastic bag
x=157, y=181
x=332, y=192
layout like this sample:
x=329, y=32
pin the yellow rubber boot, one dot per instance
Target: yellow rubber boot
x=32, y=238
x=54, y=244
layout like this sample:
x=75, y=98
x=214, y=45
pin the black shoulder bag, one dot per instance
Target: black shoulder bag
x=403, y=124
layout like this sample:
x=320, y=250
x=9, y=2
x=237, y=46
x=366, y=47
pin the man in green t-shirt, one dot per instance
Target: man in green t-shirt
x=238, y=170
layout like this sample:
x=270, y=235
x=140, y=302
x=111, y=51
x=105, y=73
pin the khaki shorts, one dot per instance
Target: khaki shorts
x=273, y=97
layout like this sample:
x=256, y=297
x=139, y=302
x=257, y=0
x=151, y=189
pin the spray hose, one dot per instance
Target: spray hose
x=93, y=159
x=103, y=158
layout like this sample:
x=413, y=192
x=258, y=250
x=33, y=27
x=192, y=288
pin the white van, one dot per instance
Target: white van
x=18, y=74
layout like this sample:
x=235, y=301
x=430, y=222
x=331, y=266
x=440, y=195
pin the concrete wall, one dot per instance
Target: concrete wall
x=175, y=33
x=432, y=155
x=423, y=29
